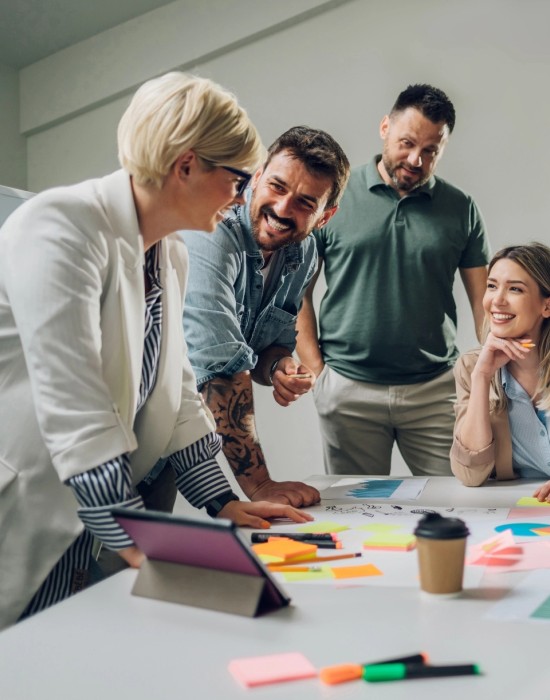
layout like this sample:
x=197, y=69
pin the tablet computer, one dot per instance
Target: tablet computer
x=190, y=550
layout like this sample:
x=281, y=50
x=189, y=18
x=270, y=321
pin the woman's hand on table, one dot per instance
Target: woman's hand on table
x=543, y=493
x=256, y=513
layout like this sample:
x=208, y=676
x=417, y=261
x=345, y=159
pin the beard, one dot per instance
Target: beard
x=404, y=184
x=290, y=235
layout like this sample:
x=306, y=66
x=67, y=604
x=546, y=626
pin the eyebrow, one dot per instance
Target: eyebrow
x=309, y=197
x=493, y=279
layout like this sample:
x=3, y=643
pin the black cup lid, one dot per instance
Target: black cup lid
x=435, y=526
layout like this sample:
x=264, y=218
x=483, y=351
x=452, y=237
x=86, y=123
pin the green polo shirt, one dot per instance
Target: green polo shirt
x=389, y=316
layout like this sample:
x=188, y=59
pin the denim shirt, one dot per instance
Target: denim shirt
x=228, y=317
x=529, y=430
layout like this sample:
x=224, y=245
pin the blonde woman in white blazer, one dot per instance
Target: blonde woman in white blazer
x=95, y=384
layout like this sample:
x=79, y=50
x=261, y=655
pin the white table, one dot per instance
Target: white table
x=106, y=644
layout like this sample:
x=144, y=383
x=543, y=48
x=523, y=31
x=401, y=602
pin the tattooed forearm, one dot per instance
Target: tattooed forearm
x=232, y=403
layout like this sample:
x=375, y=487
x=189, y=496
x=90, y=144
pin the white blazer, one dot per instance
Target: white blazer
x=72, y=311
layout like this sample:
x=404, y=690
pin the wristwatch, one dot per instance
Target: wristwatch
x=214, y=506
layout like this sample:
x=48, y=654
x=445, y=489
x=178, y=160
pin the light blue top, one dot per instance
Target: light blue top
x=529, y=430
x=231, y=312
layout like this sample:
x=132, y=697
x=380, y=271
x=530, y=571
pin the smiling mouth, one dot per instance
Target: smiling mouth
x=279, y=225
x=502, y=317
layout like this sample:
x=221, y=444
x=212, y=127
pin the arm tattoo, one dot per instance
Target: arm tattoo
x=231, y=401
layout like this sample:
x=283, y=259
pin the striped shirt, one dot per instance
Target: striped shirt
x=198, y=474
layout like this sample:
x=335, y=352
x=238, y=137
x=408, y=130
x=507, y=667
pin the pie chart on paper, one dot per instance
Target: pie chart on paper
x=526, y=529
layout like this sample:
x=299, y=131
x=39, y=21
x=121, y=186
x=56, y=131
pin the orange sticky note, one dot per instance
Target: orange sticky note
x=260, y=670
x=283, y=549
x=355, y=571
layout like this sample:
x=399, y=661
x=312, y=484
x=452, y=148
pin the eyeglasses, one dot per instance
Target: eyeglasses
x=243, y=184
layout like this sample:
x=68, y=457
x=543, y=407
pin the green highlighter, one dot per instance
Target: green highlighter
x=397, y=672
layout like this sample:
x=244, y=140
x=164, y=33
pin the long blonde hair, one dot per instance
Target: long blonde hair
x=534, y=258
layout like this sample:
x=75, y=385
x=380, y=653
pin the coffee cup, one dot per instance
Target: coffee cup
x=441, y=546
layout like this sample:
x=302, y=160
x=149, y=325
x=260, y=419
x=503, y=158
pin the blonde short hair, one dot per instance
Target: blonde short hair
x=178, y=112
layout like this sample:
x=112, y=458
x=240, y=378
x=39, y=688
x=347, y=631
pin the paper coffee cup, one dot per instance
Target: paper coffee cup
x=441, y=546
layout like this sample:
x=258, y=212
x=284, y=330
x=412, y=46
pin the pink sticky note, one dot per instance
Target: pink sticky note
x=260, y=670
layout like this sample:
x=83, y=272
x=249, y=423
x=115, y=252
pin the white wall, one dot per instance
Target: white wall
x=334, y=65
x=13, y=153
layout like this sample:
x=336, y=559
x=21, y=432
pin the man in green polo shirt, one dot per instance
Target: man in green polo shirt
x=387, y=323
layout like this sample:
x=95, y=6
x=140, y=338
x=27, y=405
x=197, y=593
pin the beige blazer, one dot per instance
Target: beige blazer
x=72, y=310
x=473, y=468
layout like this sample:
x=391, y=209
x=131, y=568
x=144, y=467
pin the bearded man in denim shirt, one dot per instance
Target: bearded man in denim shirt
x=245, y=287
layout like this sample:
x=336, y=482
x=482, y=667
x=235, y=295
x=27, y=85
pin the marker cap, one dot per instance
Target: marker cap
x=341, y=673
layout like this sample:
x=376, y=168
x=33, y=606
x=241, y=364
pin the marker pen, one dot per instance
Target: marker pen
x=298, y=536
x=323, y=545
x=350, y=672
x=396, y=672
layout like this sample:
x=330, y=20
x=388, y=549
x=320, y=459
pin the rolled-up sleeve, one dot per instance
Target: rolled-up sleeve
x=199, y=477
x=97, y=491
x=212, y=316
x=473, y=468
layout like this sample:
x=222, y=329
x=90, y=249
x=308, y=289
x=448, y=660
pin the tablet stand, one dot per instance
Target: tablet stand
x=235, y=593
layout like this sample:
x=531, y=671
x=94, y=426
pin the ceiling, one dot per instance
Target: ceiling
x=33, y=29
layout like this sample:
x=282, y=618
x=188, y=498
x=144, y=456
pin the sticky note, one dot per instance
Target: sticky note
x=355, y=571
x=531, y=502
x=323, y=572
x=379, y=527
x=282, y=549
x=401, y=543
x=326, y=526
x=261, y=670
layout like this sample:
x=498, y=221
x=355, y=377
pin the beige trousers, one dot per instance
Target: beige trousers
x=360, y=422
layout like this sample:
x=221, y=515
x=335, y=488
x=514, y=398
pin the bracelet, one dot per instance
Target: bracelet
x=218, y=503
x=272, y=369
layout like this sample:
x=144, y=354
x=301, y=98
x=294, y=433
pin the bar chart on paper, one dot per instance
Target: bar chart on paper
x=366, y=489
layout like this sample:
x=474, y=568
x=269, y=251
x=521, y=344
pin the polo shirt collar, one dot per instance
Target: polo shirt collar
x=374, y=179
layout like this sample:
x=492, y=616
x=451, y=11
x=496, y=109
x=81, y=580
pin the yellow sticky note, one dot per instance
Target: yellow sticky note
x=323, y=573
x=391, y=542
x=378, y=527
x=326, y=526
x=529, y=501
x=356, y=571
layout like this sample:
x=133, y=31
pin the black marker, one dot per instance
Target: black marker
x=298, y=536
